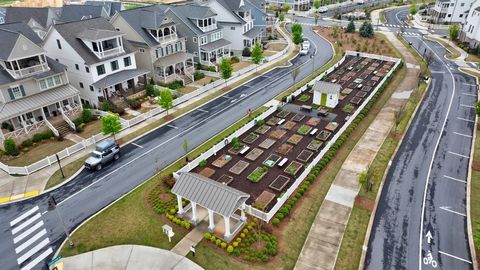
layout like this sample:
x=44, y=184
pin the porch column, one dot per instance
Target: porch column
x=164, y=75
x=194, y=212
x=208, y=57
x=80, y=103
x=60, y=108
x=227, y=227
x=43, y=114
x=24, y=125
x=211, y=221
x=242, y=215
x=101, y=48
x=180, y=205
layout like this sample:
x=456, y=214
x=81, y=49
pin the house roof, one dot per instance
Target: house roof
x=111, y=7
x=55, y=68
x=217, y=44
x=97, y=34
x=187, y=13
x=210, y=194
x=119, y=77
x=70, y=13
x=326, y=87
x=44, y=16
x=172, y=59
x=254, y=32
x=24, y=29
x=8, y=39
x=70, y=32
x=37, y=101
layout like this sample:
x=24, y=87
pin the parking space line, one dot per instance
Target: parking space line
x=227, y=97
x=455, y=179
x=469, y=84
x=23, y=216
x=468, y=94
x=467, y=106
x=457, y=154
x=137, y=145
x=445, y=208
x=464, y=119
x=202, y=110
x=461, y=134
x=172, y=126
x=455, y=257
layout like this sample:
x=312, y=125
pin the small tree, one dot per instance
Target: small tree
x=327, y=2
x=424, y=5
x=295, y=74
x=363, y=179
x=413, y=9
x=351, y=27
x=297, y=38
x=166, y=100
x=281, y=17
x=286, y=7
x=185, y=148
x=366, y=30
x=226, y=69
x=111, y=124
x=316, y=17
x=453, y=31
x=317, y=4
x=296, y=27
x=257, y=54
x=10, y=147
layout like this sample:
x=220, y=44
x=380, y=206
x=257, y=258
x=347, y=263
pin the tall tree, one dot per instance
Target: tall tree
x=286, y=7
x=166, y=100
x=366, y=30
x=413, y=9
x=296, y=27
x=453, y=31
x=257, y=54
x=297, y=38
x=111, y=124
x=351, y=27
x=317, y=4
x=226, y=69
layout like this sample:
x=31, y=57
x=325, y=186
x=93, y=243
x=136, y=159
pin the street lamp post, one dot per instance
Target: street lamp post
x=52, y=205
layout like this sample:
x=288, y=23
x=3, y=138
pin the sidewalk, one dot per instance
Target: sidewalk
x=325, y=237
x=18, y=187
x=129, y=257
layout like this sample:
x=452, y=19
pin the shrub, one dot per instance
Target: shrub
x=173, y=211
x=235, y=244
x=207, y=236
x=168, y=181
x=107, y=106
x=260, y=122
x=198, y=75
x=10, y=147
x=236, y=252
x=213, y=239
x=234, y=59
x=7, y=125
x=242, y=235
x=86, y=115
x=224, y=245
x=202, y=163
x=280, y=216
x=276, y=221
x=27, y=143
x=229, y=249
x=246, y=52
x=218, y=242
x=245, y=230
x=133, y=104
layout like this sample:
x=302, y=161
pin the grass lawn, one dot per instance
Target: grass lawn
x=90, y=129
x=268, y=53
x=474, y=198
x=240, y=65
x=187, y=89
x=206, y=80
x=276, y=47
x=68, y=170
x=472, y=58
x=472, y=72
x=39, y=152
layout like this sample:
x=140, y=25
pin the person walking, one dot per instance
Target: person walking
x=192, y=249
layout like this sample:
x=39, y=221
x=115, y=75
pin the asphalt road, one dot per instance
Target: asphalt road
x=424, y=193
x=31, y=240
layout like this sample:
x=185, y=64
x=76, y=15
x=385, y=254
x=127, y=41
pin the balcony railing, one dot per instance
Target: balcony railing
x=110, y=52
x=29, y=70
x=170, y=38
x=208, y=28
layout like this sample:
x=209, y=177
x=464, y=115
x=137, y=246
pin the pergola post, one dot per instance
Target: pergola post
x=227, y=234
x=211, y=221
x=180, y=205
x=242, y=215
x=194, y=212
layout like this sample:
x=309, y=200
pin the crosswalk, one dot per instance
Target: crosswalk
x=411, y=34
x=396, y=25
x=29, y=238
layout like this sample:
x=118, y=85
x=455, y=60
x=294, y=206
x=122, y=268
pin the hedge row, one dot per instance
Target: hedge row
x=285, y=210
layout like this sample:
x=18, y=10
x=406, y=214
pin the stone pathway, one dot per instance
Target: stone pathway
x=182, y=248
x=325, y=237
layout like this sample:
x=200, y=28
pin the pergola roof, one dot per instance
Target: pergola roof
x=326, y=87
x=208, y=193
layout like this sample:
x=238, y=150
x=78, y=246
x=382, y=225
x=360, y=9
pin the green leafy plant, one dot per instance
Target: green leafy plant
x=10, y=147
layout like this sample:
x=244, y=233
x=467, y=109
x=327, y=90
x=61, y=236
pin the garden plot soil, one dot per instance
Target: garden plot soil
x=277, y=180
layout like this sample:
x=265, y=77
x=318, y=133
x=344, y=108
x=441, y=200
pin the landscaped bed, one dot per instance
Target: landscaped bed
x=239, y=167
x=271, y=160
x=278, y=134
x=304, y=129
x=254, y=154
x=267, y=143
x=289, y=125
x=257, y=174
x=279, y=183
x=263, y=129
x=293, y=168
x=250, y=138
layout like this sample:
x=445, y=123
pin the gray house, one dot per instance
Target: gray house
x=35, y=93
x=160, y=48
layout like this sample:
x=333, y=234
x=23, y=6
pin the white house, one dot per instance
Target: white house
x=326, y=94
x=470, y=30
x=100, y=61
x=450, y=11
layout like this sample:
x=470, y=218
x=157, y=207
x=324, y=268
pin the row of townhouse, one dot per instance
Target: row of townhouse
x=46, y=76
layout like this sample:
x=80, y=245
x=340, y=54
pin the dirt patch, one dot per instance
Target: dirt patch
x=165, y=197
x=364, y=203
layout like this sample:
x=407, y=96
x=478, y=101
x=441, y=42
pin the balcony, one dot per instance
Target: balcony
x=208, y=27
x=168, y=39
x=109, y=52
x=25, y=67
x=107, y=48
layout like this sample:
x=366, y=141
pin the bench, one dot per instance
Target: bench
x=313, y=131
x=306, y=108
x=281, y=163
x=244, y=150
x=281, y=122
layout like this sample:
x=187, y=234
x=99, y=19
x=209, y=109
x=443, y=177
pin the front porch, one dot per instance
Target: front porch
x=253, y=36
x=178, y=66
x=213, y=52
x=126, y=83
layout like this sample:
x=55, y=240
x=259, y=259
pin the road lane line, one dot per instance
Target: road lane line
x=23, y=216
x=464, y=119
x=30, y=241
x=457, y=154
x=469, y=84
x=38, y=259
x=468, y=94
x=444, y=208
x=172, y=126
x=455, y=179
x=32, y=251
x=26, y=223
x=137, y=145
x=227, y=97
x=455, y=257
x=461, y=134
x=27, y=232
x=467, y=106
x=202, y=110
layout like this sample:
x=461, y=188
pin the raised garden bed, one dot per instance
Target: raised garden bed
x=250, y=138
x=367, y=88
x=361, y=94
x=278, y=133
x=279, y=183
x=264, y=200
x=272, y=160
x=239, y=167
x=356, y=101
x=304, y=129
x=225, y=179
x=283, y=114
x=298, y=117
x=222, y=161
x=332, y=126
x=348, y=108
x=289, y=125
x=235, y=152
x=313, y=121
x=207, y=172
x=295, y=139
x=305, y=155
x=257, y=174
x=303, y=98
x=263, y=129
x=273, y=121
x=324, y=135
x=314, y=145
x=284, y=149
x=267, y=143
x=293, y=168
x=254, y=154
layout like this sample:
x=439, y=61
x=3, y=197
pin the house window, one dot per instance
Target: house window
x=141, y=50
x=100, y=70
x=43, y=84
x=462, y=4
x=59, y=45
x=91, y=88
x=87, y=69
x=17, y=92
x=114, y=65
x=50, y=82
x=461, y=15
x=194, y=39
x=127, y=62
x=81, y=84
x=77, y=67
x=200, y=23
x=58, y=79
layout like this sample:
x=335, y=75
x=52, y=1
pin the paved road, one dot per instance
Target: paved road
x=29, y=234
x=425, y=189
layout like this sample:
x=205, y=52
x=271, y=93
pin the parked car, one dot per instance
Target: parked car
x=104, y=152
x=323, y=9
x=306, y=45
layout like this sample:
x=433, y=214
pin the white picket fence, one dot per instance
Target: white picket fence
x=281, y=201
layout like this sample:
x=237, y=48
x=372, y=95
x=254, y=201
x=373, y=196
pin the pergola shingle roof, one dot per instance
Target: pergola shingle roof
x=208, y=193
x=327, y=87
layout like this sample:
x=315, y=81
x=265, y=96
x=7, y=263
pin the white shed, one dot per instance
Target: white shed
x=326, y=94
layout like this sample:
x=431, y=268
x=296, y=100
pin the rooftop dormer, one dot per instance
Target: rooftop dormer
x=103, y=43
x=207, y=24
x=159, y=26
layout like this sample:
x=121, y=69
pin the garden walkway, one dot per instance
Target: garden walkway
x=325, y=237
